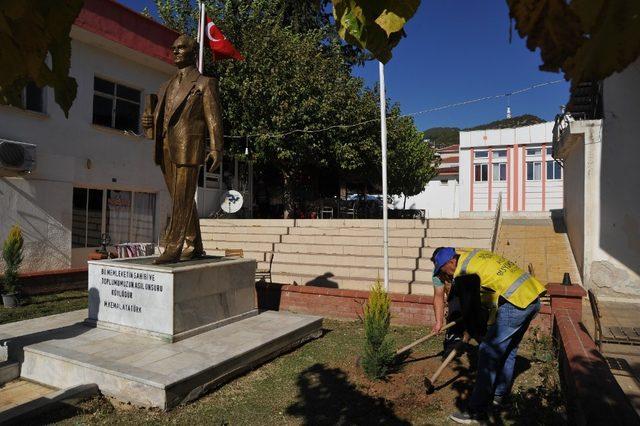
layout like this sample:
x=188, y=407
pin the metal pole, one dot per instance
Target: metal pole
x=201, y=29
x=385, y=218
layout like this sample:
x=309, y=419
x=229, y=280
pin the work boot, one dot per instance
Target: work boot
x=468, y=417
x=501, y=402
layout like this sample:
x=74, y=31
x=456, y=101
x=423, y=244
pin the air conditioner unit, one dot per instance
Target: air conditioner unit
x=17, y=156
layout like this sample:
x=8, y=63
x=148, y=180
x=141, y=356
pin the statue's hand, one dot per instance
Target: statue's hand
x=147, y=121
x=216, y=156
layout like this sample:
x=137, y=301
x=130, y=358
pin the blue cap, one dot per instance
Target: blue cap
x=442, y=256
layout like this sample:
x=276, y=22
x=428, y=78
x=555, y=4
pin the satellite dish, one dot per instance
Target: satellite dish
x=231, y=201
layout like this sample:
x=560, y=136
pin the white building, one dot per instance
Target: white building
x=91, y=175
x=599, y=149
x=440, y=196
x=516, y=163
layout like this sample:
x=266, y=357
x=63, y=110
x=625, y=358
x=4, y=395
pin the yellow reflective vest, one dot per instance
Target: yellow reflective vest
x=501, y=276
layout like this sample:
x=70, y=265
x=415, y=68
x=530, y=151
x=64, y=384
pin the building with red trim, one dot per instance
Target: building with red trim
x=514, y=164
x=91, y=173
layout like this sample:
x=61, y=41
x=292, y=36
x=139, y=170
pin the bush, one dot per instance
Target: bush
x=12, y=255
x=379, y=349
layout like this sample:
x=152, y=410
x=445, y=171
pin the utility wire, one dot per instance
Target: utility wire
x=412, y=114
x=373, y=120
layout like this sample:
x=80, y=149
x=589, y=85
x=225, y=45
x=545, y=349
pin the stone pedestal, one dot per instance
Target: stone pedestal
x=170, y=302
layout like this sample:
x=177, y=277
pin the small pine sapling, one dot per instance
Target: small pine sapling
x=379, y=349
x=12, y=256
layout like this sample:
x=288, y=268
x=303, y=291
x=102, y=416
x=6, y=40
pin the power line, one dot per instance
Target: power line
x=412, y=114
x=484, y=98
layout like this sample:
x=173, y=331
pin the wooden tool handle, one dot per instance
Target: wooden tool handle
x=425, y=338
x=444, y=364
x=448, y=359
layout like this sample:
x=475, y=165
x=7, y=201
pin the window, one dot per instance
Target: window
x=500, y=153
x=533, y=170
x=534, y=151
x=87, y=217
x=33, y=98
x=554, y=170
x=481, y=171
x=499, y=172
x=481, y=154
x=115, y=105
x=125, y=216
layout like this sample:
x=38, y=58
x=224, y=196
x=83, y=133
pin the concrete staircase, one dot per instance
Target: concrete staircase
x=345, y=253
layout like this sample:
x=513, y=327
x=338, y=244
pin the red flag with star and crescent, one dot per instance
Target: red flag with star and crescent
x=220, y=45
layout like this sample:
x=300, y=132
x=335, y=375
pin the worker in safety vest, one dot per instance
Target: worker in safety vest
x=516, y=294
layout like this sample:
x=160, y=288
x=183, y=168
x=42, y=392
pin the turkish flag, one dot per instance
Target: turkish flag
x=220, y=45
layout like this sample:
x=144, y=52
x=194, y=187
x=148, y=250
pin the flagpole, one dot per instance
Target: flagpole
x=383, y=137
x=200, y=69
x=201, y=39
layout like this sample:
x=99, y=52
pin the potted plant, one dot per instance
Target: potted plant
x=12, y=256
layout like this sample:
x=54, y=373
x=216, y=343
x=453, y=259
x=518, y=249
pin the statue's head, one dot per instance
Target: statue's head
x=184, y=51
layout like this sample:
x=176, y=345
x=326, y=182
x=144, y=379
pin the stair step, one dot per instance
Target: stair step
x=351, y=271
x=360, y=223
x=460, y=233
x=482, y=243
x=348, y=249
x=460, y=223
x=259, y=256
x=339, y=260
x=345, y=240
x=249, y=230
x=260, y=223
x=358, y=232
x=254, y=238
x=245, y=246
x=403, y=287
x=9, y=370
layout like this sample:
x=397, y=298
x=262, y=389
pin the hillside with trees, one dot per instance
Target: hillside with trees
x=446, y=136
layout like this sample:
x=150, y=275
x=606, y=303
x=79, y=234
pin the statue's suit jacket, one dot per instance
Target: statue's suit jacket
x=196, y=106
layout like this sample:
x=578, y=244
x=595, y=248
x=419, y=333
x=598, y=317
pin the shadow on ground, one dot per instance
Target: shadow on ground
x=326, y=397
x=531, y=406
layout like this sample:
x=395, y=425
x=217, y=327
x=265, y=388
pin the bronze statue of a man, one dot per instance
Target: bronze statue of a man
x=188, y=106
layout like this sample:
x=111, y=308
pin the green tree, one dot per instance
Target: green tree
x=378, y=346
x=12, y=256
x=412, y=162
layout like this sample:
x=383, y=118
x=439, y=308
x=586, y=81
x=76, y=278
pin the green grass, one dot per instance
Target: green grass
x=39, y=306
x=319, y=383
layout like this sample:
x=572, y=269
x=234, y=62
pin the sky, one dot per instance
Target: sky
x=456, y=51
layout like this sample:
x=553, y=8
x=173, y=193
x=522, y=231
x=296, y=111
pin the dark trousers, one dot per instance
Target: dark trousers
x=497, y=354
x=184, y=224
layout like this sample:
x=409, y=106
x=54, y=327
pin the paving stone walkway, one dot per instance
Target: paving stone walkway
x=20, y=391
x=541, y=242
x=623, y=360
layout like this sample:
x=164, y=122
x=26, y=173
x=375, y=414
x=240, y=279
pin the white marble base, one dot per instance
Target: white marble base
x=170, y=302
x=150, y=372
